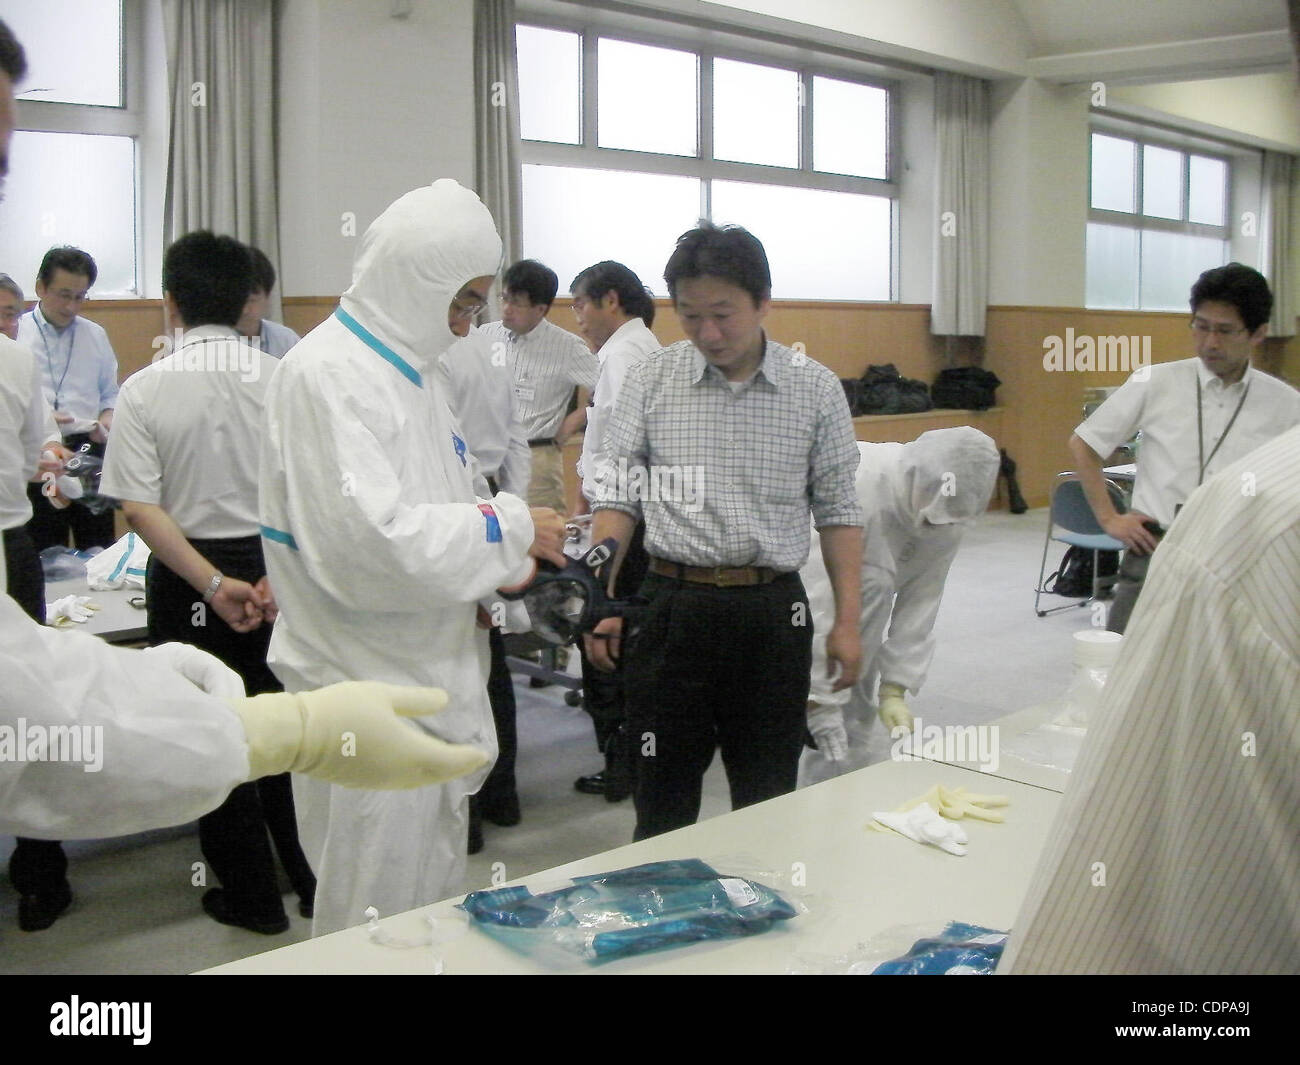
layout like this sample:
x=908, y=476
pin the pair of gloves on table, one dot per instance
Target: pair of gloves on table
x=303, y=732
x=826, y=723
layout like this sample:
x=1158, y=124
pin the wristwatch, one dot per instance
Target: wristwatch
x=212, y=587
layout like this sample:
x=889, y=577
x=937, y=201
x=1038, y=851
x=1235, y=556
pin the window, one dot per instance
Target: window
x=628, y=143
x=1157, y=217
x=73, y=160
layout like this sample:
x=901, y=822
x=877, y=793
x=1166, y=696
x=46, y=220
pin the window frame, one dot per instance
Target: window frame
x=588, y=155
x=125, y=120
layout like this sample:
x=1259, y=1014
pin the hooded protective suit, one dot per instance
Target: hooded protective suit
x=918, y=498
x=377, y=546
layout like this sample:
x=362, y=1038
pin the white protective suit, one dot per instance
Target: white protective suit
x=918, y=498
x=142, y=747
x=378, y=548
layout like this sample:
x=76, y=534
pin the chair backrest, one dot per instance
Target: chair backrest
x=1070, y=508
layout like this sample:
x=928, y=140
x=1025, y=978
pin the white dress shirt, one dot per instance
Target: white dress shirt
x=628, y=343
x=1175, y=848
x=78, y=366
x=1161, y=401
x=480, y=392
x=26, y=425
x=186, y=432
x=547, y=362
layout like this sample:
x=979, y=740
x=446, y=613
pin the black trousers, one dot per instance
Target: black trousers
x=37, y=866
x=602, y=693
x=500, y=784
x=716, y=668
x=233, y=837
x=50, y=525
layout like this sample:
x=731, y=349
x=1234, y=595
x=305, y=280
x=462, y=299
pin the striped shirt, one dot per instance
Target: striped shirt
x=1176, y=848
x=726, y=476
x=547, y=362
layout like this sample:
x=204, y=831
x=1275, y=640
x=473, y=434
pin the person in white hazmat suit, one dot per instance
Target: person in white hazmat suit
x=918, y=499
x=99, y=741
x=377, y=546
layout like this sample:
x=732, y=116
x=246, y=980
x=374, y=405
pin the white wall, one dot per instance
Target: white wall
x=1038, y=166
x=1261, y=106
x=370, y=107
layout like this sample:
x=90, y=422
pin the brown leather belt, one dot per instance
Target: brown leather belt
x=718, y=576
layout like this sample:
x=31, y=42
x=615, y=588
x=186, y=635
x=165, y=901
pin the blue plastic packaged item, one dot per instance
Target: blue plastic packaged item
x=960, y=949
x=631, y=911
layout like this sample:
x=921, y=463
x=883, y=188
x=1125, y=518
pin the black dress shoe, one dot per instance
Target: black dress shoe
x=307, y=907
x=603, y=784
x=500, y=811
x=217, y=906
x=37, y=912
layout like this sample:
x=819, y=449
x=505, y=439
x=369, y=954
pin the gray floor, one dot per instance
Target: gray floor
x=137, y=911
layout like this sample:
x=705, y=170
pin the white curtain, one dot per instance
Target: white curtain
x=961, y=121
x=498, y=172
x=221, y=158
x=1278, y=252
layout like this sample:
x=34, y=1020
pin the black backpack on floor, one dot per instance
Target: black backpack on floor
x=1074, y=578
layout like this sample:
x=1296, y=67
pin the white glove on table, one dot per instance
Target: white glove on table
x=70, y=610
x=922, y=824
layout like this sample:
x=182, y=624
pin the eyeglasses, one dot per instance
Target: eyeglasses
x=69, y=296
x=1203, y=328
x=463, y=311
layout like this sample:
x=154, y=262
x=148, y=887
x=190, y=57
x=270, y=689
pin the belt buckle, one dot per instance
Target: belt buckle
x=729, y=577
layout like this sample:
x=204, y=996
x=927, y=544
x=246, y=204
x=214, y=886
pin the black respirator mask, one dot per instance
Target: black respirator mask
x=563, y=603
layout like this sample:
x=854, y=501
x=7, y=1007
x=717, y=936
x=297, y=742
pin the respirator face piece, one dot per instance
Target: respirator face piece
x=564, y=603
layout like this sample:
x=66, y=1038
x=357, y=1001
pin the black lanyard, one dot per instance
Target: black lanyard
x=1200, y=434
x=49, y=361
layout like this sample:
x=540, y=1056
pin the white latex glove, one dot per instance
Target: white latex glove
x=351, y=734
x=922, y=824
x=893, y=708
x=201, y=669
x=71, y=609
x=826, y=723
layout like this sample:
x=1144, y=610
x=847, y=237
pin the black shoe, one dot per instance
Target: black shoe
x=538, y=682
x=503, y=811
x=217, y=906
x=307, y=907
x=37, y=912
x=603, y=784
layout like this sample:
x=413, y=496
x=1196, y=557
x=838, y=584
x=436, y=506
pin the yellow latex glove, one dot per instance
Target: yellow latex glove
x=957, y=803
x=893, y=708
x=351, y=734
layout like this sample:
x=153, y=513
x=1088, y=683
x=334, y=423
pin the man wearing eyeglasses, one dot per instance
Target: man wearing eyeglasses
x=1196, y=415
x=548, y=362
x=79, y=375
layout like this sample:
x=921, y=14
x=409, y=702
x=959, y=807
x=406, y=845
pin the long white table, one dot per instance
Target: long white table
x=862, y=882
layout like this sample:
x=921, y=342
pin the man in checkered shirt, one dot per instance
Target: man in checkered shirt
x=724, y=442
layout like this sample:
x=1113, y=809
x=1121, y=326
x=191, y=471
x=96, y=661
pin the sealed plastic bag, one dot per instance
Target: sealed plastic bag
x=631, y=911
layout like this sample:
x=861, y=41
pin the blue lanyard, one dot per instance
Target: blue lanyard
x=379, y=347
x=72, y=339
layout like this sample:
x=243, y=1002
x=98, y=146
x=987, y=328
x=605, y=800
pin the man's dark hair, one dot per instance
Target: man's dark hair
x=13, y=60
x=1239, y=285
x=209, y=277
x=596, y=282
x=68, y=258
x=729, y=253
x=263, y=271
x=530, y=278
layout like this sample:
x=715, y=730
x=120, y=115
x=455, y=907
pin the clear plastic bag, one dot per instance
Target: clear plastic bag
x=63, y=563
x=630, y=911
x=961, y=949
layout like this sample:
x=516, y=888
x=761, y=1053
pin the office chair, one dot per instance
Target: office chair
x=1078, y=528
